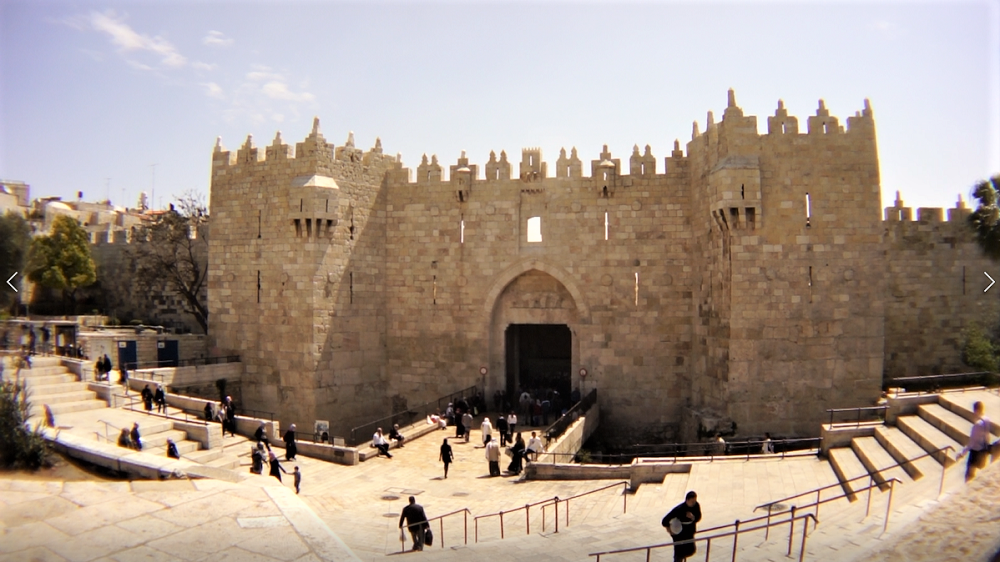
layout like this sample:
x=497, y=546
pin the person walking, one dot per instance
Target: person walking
x=768, y=447
x=682, y=523
x=511, y=425
x=416, y=522
x=379, y=442
x=136, y=438
x=502, y=430
x=257, y=458
x=276, y=468
x=230, y=417
x=123, y=378
x=493, y=455
x=161, y=399
x=298, y=479
x=517, y=452
x=487, y=429
x=467, y=423
x=446, y=456
x=978, y=448
x=147, y=398
x=290, y=448
x=261, y=434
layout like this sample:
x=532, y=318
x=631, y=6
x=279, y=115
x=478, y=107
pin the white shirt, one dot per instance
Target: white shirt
x=487, y=428
x=535, y=444
x=512, y=419
x=378, y=439
x=979, y=438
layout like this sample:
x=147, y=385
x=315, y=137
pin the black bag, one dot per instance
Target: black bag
x=428, y=537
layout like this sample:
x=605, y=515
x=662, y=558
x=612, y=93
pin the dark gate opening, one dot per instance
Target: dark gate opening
x=539, y=358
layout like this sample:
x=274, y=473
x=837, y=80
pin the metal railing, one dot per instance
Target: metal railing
x=136, y=365
x=440, y=519
x=579, y=409
x=858, y=411
x=870, y=476
x=710, y=450
x=933, y=383
x=735, y=534
x=406, y=417
x=555, y=501
x=566, y=501
x=188, y=418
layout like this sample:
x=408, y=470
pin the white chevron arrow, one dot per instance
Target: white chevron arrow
x=8, y=282
x=991, y=282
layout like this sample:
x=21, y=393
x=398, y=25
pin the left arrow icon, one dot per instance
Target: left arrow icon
x=9, y=283
x=991, y=282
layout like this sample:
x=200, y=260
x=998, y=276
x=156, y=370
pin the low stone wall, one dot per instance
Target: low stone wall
x=572, y=440
x=841, y=436
x=653, y=471
x=195, y=375
x=906, y=405
x=568, y=471
x=410, y=432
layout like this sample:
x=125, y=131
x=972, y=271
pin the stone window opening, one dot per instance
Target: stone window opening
x=309, y=231
x=605, y=225
x=298, y=228
x=258, y=223
x=351, y=286
x=735, y=213
x=434, y=293
x=751, y=218
x=743, y=191
x=963, y=279
x=352, y=224
x=258, y=286
x=461, y=231
x=637, y=289
x=810, y=276
x=327, y=205
x=808, y=211
x=534, y=229
x=300, y=205
x=604, y=192
x=329, y=228
x=461, y=197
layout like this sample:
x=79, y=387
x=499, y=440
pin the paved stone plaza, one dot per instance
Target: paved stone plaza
x=349, y=513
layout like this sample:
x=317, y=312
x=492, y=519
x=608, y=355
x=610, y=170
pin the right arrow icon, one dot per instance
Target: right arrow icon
x=991, y=281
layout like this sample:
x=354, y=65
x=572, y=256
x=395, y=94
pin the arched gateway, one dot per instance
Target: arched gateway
x=534, y=312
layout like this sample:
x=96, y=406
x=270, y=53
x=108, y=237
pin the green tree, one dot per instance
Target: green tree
x=978, y=351
x=170, y=254
x=15, y=239
x=61, y=259
x=985, y=220
x=20, y=447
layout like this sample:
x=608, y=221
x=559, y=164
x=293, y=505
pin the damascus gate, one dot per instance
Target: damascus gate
x=747, y=276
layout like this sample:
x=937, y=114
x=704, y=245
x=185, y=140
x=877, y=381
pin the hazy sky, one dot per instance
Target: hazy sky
x=91, y=91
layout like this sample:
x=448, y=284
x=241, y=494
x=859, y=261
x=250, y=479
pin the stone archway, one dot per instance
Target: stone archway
x=532, y=293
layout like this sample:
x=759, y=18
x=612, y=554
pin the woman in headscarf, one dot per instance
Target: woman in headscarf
x=290, y=448
x=275, y=466
x=517, y=450
x=257, y=457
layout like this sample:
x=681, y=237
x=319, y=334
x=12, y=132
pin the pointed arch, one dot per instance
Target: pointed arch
x=515, y=270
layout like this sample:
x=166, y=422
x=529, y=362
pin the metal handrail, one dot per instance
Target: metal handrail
x=544, y=503
x=707, y=446
x=735, y=534
x=187, y=417
x=356, y=439
x=440, y=519
x=556, y=501
x=579, y=409
x=858, y=410
x=839, y=484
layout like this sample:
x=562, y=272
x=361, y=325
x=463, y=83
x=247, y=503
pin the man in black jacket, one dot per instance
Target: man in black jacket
x=416, y=521
x=689, y=514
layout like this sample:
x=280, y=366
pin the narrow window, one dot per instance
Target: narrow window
x=434, y=294
x=963, y=279
x=605, y=225
x=309, y=229
x=352, y=224
x=743, y=191
x=298, y=228
x=258, y=224
x=462, y=232
x=535, y=229
x=808, y=210
x=810, y=276
x=258, y=286
x=329, y=227
x=637, y=288
x=351, y=280
x=328, y=205
x=605, y=176
x=642, y=169
x=751, y=218
x=300, y=205
x=734, y=212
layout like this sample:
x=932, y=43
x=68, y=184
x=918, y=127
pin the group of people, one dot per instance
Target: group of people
x=130, y=439
x=258, y=454
x=102, y=368
x=159, y=397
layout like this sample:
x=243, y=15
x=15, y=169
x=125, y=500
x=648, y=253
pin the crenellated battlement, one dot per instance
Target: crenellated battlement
x=900, y=213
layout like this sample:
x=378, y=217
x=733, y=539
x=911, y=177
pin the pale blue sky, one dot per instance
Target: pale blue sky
x=90, y=91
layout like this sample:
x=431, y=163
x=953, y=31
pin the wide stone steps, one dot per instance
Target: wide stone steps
x=35, y=380
x=878, y=462
x=44, y=390
x=847, y=466
x=961, y=404
x=38, y=409
x=905, y=450
x=929, y=438
x=38, y=370
x=70, y=395
x=951, y=424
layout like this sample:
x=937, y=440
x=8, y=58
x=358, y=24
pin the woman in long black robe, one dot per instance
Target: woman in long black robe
x=276, y=466
x=517, y=450
x=290, y=449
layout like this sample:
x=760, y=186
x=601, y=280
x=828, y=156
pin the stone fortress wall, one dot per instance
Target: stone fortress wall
x=748, y=280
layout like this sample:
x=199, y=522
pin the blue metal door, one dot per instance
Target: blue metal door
x=127, y=355
x=167, y=354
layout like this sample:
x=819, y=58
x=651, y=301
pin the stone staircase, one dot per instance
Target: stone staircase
x=156, y=430
x=49, y=383
x=894, y=452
